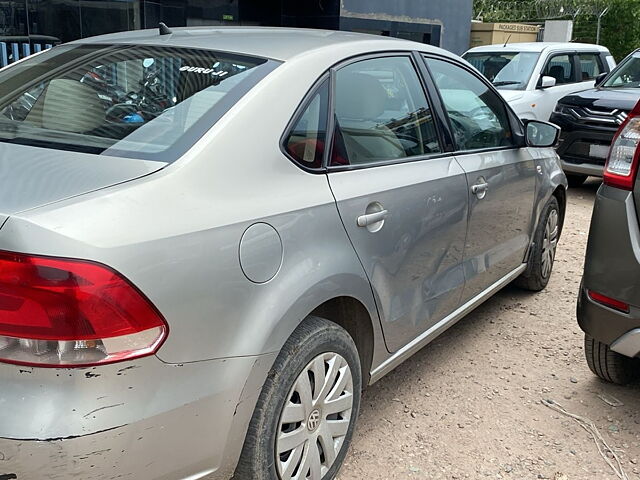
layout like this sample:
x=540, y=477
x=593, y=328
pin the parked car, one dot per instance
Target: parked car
x=532, y=77
x=609, y=299
x=200, y=278
x=590, y=119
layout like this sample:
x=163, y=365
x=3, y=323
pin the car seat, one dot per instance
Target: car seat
x=69, y=106
x=557, y=72
x=360, y=101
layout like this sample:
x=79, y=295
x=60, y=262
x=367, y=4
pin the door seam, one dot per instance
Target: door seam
x=364, y=270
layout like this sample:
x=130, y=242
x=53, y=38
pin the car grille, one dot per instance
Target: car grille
x=598, y=116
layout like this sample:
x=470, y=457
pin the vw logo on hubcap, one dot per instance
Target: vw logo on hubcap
x=314, y=420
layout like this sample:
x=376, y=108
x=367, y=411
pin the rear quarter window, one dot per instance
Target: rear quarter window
x=143, y=102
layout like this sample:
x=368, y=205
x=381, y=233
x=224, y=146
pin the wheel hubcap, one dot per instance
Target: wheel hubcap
x=549, y=243
x=315, y=419
x=313, y=422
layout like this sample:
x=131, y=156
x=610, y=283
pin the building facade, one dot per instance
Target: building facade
x=441, y=23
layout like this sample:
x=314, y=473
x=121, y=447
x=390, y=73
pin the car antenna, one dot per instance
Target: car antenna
x=506, y=41
x=164, y=30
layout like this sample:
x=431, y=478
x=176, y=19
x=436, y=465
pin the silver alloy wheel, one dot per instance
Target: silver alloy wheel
x=549, y=243
x=315, y=419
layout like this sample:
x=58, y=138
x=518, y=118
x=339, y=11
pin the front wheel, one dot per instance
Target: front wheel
x=305, y=416
x=543, y=252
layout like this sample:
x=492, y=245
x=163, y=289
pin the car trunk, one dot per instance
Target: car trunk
x=31, y=177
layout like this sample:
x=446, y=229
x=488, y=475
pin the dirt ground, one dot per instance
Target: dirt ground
x=469, y=404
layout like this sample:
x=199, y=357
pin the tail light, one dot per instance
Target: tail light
x=622, y=164
x=69, y=313
x=608, y=301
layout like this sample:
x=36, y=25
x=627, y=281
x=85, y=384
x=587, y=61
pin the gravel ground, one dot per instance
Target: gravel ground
x=469, y=404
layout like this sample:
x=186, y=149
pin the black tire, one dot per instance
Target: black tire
x=312, y=338
x=534, y=278
x=609, y=365
x=576, y=180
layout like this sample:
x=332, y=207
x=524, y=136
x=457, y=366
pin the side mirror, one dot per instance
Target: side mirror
x=600, y=79
x=541, y=134
x=546, y=82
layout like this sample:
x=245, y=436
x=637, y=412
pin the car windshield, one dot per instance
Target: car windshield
x=627, y=74
x=144, y=102
x=506, y=70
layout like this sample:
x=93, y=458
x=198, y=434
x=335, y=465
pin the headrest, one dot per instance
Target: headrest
x=71, y=106
x=557, y=71
x=359, y=96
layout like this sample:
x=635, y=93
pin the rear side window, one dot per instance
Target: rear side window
x=560, y=67
x=135, y=101
x=590, y=66
x=478, y=115
x=381, y=113
x=305, y=142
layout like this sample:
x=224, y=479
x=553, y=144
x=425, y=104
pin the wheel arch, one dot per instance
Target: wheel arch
x=345, y=299
x=352, y=315
x=560, y=193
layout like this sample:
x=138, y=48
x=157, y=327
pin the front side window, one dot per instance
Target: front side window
x=305, y=143
x=506, y=70
x=135, y=101
x=560, y=67
x=478, y=116
x=627, y=74
x=590, y=66
x=381, y=113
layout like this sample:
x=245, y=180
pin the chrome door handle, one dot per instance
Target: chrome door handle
x=479, y=188
x=371, y=218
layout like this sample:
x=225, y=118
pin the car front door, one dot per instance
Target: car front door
x=500, y=175
x=403, y=201
x=572, y=72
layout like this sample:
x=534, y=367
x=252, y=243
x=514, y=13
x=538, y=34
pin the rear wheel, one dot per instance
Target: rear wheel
x=543, y=252
x=609, y=365
x=304, y=420
x=576, y=180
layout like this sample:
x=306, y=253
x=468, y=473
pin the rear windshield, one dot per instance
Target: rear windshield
x=144, y=102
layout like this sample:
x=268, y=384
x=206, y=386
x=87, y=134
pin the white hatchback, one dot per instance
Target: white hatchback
x=532, y=77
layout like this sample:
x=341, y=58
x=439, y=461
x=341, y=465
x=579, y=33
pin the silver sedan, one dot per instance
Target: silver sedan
x=213, y=239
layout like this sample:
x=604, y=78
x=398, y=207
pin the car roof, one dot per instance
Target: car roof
x=268, y=42
x=538, y=47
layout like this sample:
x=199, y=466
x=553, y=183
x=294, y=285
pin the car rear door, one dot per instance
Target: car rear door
x=501, y=176
x=402, y=198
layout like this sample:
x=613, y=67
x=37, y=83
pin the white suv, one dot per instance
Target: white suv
x=532, y=77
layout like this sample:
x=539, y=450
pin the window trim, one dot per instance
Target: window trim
x=517, y=127
x=411, y=55
x=298, y=112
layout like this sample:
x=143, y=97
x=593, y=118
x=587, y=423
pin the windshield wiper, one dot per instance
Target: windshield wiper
x=505, y=82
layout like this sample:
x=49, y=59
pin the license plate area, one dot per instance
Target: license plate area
x=598, y=151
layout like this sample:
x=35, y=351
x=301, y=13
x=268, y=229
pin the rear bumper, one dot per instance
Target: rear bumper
x=612, y=268
x=141, y=420
x=628, y=344
x=611, y=327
